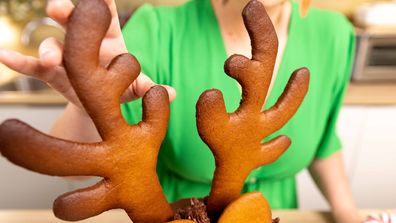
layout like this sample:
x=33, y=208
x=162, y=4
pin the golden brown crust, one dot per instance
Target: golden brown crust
x=127, y=157
x=250, y=207
x=235, y=138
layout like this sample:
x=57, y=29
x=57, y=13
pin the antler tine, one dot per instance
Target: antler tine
x=156, y=112
x=86, y=202
x=235, y=139
x=273, y=149
x=81, y=59
x=254, y=80
x=262, y=33
x=126, y=158
x=255, y=75
x=211, y=117
x=25, y=146
x=289, y=102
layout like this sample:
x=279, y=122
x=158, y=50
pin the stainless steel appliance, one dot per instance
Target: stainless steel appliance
x=376, y=56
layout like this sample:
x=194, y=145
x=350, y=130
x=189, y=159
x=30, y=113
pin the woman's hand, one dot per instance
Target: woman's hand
x=347, y=216
x=329, y=175
x=384, y=218
x=48, y=66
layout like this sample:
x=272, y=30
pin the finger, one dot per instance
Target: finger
x=54, y=76
x=273, y=149
x=60, y=10
x=33, y=150
x=85, y=203
x=20, y=63
x=171, y=92
x=115, y=27
x=32, y=66
x=138, y=88
x=50, y=52
x=289, y=101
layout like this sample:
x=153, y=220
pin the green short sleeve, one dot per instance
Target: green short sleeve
x=330, y=142
x=142, y=40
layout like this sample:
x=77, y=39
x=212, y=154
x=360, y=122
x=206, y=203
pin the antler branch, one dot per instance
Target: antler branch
x=235, y=139
x=26, y=147
x=126, y=158
x=86, y=74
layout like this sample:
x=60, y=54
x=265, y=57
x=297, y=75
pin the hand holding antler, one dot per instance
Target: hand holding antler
x=235, y=139
x=126, y=158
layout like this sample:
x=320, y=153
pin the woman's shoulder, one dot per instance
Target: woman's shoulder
x=328, y=33
x=328, y=23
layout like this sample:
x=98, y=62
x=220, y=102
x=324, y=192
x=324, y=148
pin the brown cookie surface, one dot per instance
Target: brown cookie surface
x=236, y=138
x=127, y=157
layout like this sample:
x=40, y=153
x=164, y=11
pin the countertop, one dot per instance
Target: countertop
x=46, y=216
x=369, y=94
x=372, y=94
x=47, y=97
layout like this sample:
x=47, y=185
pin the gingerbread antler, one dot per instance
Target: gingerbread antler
x=127, y=157
x=235, y=139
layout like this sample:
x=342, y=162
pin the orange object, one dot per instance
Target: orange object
x=250, y=207
x=304, y=7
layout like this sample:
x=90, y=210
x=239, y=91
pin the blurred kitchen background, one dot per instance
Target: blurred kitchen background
x=367, y=123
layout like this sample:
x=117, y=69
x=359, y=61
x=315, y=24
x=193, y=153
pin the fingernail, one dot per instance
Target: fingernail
x=47, y=59
x=170, y=89
x=47, y=54
x=171, y=92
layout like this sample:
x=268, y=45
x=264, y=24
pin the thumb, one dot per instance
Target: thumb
x=140, y=86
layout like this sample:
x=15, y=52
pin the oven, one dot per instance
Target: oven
x=375, y=56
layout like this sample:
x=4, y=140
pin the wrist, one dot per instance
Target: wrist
x=347, y=215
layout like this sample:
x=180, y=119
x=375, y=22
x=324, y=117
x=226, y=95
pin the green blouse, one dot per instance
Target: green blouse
x=182, y=46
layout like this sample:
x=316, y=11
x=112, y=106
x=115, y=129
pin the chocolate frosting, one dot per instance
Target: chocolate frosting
x=196, y=212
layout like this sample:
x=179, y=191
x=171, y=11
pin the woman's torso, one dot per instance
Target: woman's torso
x=182, y=47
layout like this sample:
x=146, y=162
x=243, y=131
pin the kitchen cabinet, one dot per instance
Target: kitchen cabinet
x=24, y=189
x=369, y=147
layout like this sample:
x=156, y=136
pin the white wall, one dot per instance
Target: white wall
x=20, y=188
x=369, y=138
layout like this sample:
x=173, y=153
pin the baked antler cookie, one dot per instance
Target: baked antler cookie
x=127, y=157
x=236, y=138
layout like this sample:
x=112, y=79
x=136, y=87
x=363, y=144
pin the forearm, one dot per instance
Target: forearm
x=74, y=124
x=330, y=176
